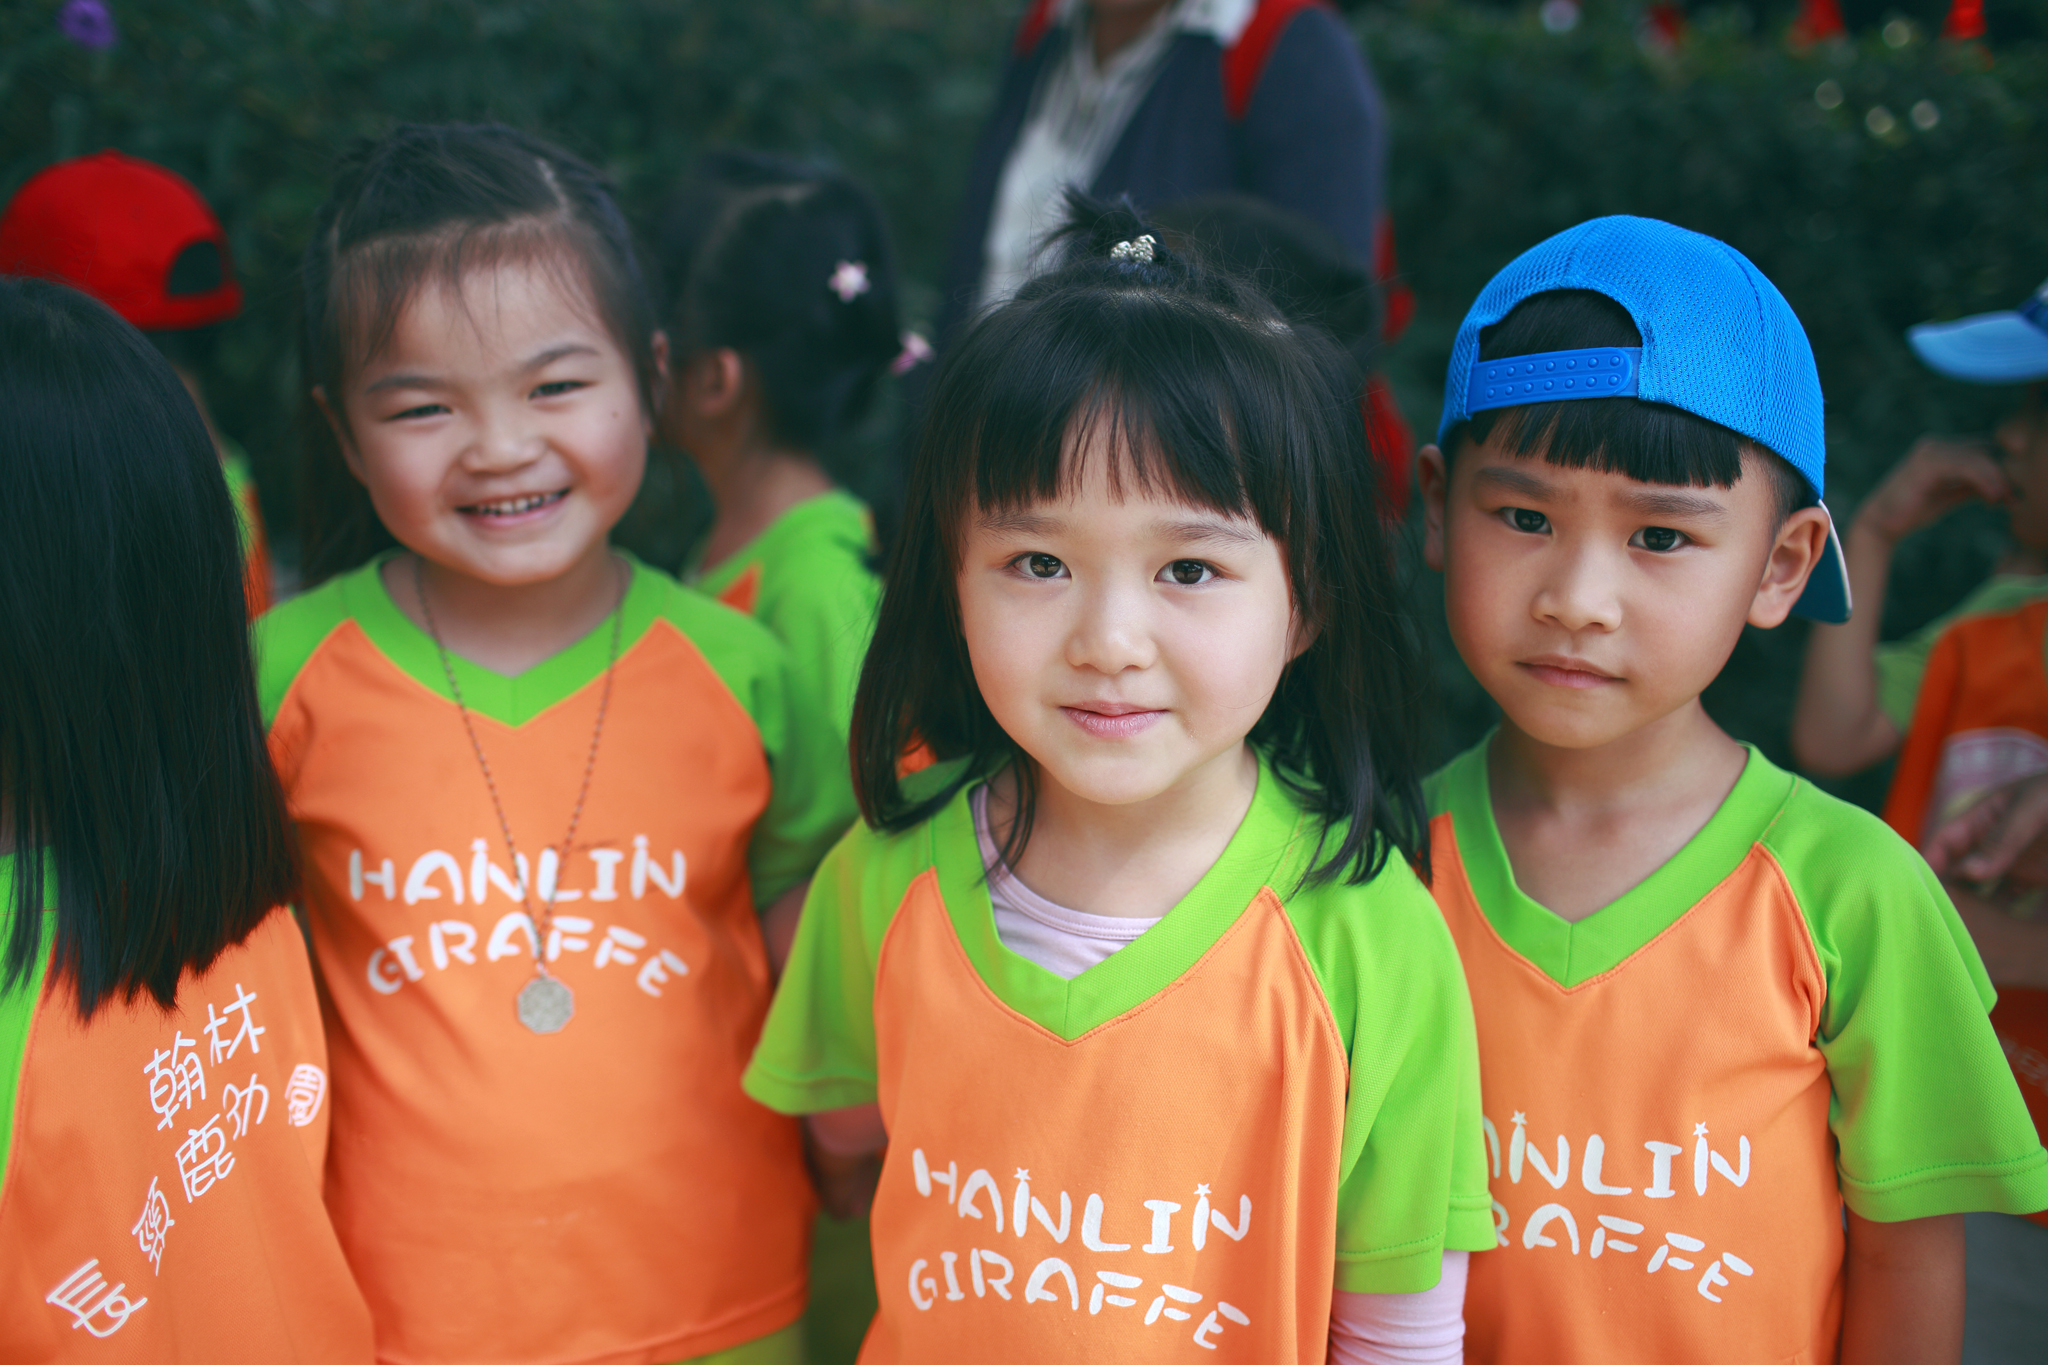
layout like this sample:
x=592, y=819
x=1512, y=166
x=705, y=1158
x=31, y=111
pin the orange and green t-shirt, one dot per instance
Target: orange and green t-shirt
x=160, y=1170
x=1981, y=720
x=1901, y=664
x=1684, y=1088
x=1270, y=1094
x=808, y=578
x=606, y=1192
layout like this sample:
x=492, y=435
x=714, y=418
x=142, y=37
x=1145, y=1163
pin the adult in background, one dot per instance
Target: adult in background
x=1164, y=100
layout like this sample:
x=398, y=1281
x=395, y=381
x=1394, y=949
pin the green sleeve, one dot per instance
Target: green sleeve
x=811, y=803
x=1901, y=664
x=826, y=617
x=1926, y=1115
x=817, y=1049
x=1413, y=1178
x=17, y=1009
x=284, y=638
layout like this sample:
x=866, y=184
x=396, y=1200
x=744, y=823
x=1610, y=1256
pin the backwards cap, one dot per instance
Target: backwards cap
x=1719, y=341
x=135, y=236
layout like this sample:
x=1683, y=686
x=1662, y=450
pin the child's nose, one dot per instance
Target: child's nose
x=507, y=437
x=1578, y=591
x=1112, y=630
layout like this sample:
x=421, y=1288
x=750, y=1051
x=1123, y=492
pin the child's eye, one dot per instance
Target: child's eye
x=1658, y=539
x=423, y=410
x=1042, y=566
x=1522, y=519
x=1189, y=572
x=555, y=388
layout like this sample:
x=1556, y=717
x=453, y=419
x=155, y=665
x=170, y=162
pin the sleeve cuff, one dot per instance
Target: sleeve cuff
x=790, y=1095
x=1406, y=1269
x=2016, y=1186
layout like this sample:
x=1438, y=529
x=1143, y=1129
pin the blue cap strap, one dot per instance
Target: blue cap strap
x=1553, y=376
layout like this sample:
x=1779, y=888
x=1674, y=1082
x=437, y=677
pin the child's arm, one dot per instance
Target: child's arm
x=1425, y=1328
x=1903, y=1298
x=1838, y=726
x=845, y=1147
x=778, y=925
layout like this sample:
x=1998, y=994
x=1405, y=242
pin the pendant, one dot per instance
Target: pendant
x=545, y=1004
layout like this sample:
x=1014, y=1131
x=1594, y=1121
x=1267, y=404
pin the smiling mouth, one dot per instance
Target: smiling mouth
x=513, y=507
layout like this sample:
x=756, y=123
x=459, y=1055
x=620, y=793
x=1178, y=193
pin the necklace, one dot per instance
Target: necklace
x=545, y=1003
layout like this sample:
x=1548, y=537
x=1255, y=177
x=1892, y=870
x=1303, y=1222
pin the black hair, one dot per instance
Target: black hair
x=1296, y=262
x=133, y=768
x=1211, y=398
x=1648, y=442
x=432, y=200
x=749, y=250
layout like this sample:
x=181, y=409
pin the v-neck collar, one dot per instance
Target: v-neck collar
x=1268, y=849
x=1573, y=953
x=510, y=700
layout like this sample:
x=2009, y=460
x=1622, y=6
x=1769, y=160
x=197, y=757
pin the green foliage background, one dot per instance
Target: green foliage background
x=1502, y=133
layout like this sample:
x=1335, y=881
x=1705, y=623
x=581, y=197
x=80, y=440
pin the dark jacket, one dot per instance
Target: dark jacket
x=1308, y=134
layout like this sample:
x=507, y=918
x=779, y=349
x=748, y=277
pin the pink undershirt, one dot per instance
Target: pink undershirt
x=1426, y=1328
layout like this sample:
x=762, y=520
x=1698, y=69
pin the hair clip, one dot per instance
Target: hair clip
x=1137, y=250
x=849, y=280
x=916, y=350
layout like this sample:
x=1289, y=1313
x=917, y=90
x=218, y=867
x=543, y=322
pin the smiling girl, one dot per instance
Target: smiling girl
x=1165, y=1044
x=541, y=789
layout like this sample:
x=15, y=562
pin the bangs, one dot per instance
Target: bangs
x=1645, y=441
x=372, y=284
x=1182, y=408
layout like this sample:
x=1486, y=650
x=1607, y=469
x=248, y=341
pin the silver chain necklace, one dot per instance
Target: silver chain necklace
x=545, y=1004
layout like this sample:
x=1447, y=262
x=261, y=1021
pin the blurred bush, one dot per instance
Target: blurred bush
x=252, y=99
x=1879, y=181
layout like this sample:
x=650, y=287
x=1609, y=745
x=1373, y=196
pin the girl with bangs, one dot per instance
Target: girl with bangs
x=545, y=794
x=1129, y=1013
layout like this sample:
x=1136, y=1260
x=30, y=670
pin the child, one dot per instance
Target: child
x=162, y=1071
x=140, y=239
x=1856, y=696
x=783, y=315
x=541, y=790
x=1714, y=1004
x=1165, y=1041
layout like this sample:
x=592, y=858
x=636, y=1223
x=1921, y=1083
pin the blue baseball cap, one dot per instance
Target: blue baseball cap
x=1990, y=348
x=1719, y=341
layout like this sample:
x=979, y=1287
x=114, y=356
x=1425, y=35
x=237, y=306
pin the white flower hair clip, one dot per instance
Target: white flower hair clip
x=1138, y=250
x=849, y=280
x=916, y=350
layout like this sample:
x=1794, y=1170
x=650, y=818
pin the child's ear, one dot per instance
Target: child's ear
x=715, y=381
x=659, y=347
x=350, y=456
x=1434, y=481
x=1794, y=554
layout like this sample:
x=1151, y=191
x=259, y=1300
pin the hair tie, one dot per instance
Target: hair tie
x=849, y=280
x=916, y=350
x=1138, y=250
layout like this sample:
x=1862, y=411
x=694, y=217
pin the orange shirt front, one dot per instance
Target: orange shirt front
x=1683, y=1089
x=606, y=1192
x=161, y=1199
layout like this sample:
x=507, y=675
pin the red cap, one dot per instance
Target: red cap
x=128, y=232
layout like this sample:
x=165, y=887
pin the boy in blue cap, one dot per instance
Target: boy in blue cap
x=1714, y=1004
